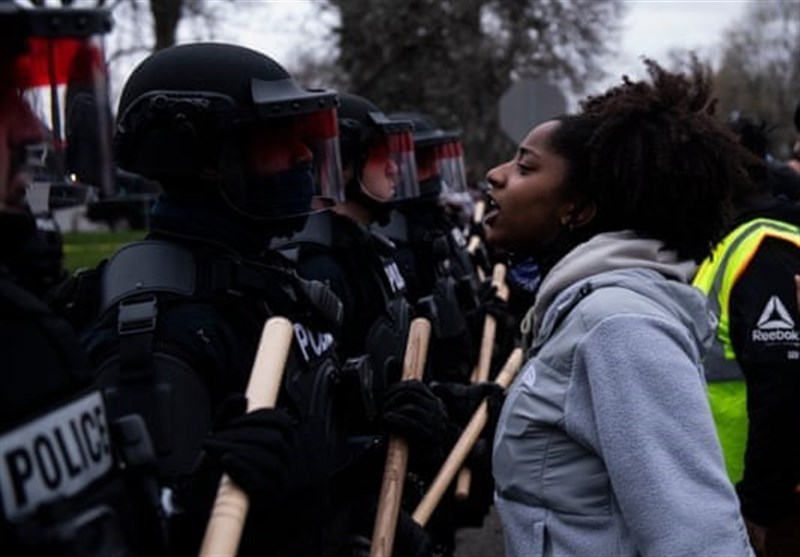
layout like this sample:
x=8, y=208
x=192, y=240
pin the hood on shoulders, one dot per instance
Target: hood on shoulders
x=624, y=259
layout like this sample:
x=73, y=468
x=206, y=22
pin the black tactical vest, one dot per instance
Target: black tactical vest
x=62, y=489
x=435, y=261
x=178, y=331
x=377, y=315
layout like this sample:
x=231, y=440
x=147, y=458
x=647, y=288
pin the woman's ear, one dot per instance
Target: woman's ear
x=580, y=214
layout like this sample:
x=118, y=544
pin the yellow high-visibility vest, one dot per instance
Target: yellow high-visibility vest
x=716, y=277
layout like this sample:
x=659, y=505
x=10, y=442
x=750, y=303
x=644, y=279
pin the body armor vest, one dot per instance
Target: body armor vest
x=61, y=486
x=380, y=310
x=438, y=264
x=161, y=380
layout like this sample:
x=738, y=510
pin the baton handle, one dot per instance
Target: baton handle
x=464, y=445
x=394, y=472
x=225, y=525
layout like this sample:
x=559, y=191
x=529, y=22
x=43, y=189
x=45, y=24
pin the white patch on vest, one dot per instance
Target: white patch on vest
x=312, y=344
x=55, y=455
x=775, y=324
x=395, y=277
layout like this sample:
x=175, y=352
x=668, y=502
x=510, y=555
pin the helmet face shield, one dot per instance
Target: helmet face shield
x=63, y=80
x=320, y=132
x=389, y=170
x=401, y=150
x=450, y=161
x=288, y=162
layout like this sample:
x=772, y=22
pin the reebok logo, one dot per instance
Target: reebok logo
x=775, y=324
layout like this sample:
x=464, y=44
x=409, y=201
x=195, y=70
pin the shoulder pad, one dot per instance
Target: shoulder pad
x=383, y=243
x=317, y=230
x=396, y=229
x=326, y=303
x=147, y=266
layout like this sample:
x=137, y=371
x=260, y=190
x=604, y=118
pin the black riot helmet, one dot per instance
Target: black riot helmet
x=206, y=119
x=52, y=73
x=439, y=156
x=376, y=149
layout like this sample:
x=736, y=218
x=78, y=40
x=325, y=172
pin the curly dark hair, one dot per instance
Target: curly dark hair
x=653, y=158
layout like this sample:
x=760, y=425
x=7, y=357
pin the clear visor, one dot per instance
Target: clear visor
x=427, y=163
x=320, y=132
x=63, y=81
x=401, y=151
x=450, y=162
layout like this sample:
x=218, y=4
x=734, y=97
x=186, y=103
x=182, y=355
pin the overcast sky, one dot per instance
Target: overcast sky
x=654, y=27
x=651, y=27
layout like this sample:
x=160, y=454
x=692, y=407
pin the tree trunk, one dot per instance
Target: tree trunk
x=166, y=15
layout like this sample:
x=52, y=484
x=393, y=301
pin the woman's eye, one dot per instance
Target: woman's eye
x=523, y=168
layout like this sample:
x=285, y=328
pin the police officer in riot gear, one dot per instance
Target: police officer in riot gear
x=432, y=255
x=238, y=148
x=62, y=485
x=338, y=248
x=431, y=250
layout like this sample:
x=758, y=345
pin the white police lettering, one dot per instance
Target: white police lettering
x=458, y=236
x=394, y=276
x=775, y=324
x=318, y=343
x=55, y=455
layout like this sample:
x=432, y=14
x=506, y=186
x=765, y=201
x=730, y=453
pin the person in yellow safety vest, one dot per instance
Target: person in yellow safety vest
x=753, y=369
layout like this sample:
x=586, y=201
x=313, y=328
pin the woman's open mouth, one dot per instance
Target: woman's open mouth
x=492, y=210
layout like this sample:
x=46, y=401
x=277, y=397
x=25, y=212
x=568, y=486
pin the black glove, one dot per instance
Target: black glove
x=490, y=303
x=253, y=448
x=411, y=411
x=462, y=400
x=410, y=540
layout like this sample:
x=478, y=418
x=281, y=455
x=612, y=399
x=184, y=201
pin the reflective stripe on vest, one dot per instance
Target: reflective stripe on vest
x=716, y=277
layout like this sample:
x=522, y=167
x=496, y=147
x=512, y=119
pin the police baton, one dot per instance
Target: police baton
x=394, y=472
x=474, y=243
x=481, y=372
x=229, y=512
x=464, y=444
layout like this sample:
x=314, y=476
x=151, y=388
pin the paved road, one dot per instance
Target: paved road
x=481, y=542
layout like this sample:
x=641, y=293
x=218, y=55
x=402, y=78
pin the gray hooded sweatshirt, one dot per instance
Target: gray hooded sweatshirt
x=605, y=446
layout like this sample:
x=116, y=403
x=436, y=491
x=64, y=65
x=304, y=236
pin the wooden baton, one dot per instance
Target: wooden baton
x=397, y=453
x=464, y=445
x=474, y=243
x=481, y=371
x=224, y=530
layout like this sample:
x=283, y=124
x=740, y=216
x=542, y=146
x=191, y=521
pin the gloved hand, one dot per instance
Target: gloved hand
x=411, y=411
x=410, y=540
x=490, y=303
x=462, y=400
x=253, y=448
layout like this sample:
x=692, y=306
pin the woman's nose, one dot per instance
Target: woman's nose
x=496, y=176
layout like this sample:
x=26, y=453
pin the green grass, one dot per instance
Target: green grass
x=87, y=249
